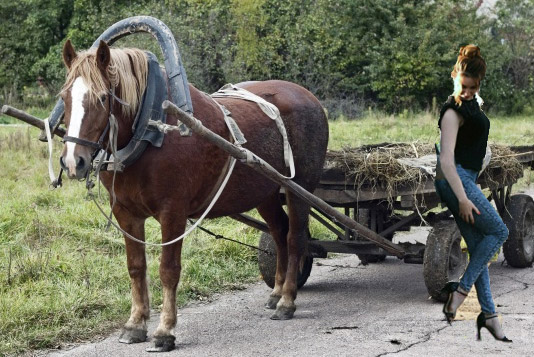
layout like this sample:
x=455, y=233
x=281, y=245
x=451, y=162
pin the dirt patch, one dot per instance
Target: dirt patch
x=470, y=309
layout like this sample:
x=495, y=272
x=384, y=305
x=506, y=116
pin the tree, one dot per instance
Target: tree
x=27, y=31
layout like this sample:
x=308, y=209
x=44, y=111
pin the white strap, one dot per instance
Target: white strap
x=51, y=173
x=230, y=90
x=223, y=184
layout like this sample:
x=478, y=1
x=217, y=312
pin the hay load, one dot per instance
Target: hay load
x=389, y=166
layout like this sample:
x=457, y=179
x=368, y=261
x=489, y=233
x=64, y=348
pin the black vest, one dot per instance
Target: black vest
x=472, y=135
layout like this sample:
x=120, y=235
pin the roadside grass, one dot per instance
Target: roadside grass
x=63, y=276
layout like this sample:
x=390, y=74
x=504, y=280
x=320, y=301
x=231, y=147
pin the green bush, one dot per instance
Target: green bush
x=392, y=55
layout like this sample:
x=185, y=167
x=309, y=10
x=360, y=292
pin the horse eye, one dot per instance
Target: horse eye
x=103, y=98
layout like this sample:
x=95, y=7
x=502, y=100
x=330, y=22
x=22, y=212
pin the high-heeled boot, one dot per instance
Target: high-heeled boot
x=492, y=324
x=456, y=297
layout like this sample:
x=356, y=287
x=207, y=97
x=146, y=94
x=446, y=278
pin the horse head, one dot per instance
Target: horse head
x=100, y=83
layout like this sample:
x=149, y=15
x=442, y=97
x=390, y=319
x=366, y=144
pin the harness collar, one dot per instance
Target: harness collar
x=150, y=109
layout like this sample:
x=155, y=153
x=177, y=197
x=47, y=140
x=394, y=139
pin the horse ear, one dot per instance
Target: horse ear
x=103, y=56
x=69, y=54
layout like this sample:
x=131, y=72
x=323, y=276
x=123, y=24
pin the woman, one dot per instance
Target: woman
x=464, y=136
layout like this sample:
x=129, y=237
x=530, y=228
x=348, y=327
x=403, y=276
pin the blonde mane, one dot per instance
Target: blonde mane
x=127, y=72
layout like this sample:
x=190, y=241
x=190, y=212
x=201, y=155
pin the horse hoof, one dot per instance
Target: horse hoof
x=130, y=335
x=271, y=303
x=162, y=344
x=283, y=313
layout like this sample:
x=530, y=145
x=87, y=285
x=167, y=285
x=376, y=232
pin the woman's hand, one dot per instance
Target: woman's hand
x=466, y=210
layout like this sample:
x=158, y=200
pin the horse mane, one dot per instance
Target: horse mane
x=127, y=72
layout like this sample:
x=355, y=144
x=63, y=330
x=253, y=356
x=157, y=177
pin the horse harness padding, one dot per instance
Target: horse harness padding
x=231, y=91
x=143, y=134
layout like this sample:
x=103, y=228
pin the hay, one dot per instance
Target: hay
x=376, y=167
x=503, y=167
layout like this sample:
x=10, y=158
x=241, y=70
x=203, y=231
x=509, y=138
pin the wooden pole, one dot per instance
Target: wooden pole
x=267, y=170
x=28, y=118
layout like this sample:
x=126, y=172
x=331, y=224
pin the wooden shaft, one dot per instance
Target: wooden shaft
x=267, y=170
x=28, y=118
x=251, y=221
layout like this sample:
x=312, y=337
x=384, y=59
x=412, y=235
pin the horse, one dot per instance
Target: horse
x=172, y=182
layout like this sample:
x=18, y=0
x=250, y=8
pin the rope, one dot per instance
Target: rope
x=53, y=181
x=218, y=236
x=112, y=144
x=197, y=223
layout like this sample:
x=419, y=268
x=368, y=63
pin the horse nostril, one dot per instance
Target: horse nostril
x=80, y=164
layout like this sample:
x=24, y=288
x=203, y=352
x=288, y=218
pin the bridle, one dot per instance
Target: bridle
x=99, y=145
x=95, y=145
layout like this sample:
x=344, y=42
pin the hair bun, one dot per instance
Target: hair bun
x=470, y=51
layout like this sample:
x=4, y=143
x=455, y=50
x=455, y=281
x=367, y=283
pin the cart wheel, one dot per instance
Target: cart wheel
x=443, y=260
x=267, y=262
x=519, y=217
x=364, y=218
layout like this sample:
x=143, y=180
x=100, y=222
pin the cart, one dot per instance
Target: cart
x=441, y=254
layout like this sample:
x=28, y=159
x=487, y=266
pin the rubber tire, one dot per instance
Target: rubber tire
x=267, y=263
x=443, y=260
x=519, y=218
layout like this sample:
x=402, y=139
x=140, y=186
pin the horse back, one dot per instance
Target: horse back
x=188, y=168
x=307, y=129
x=306, y=124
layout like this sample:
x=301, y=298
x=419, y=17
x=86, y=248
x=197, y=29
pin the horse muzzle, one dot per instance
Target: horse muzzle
x=77, y=168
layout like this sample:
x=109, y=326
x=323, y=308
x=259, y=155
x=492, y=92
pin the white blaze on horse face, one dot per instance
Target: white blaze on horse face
x=78, y=92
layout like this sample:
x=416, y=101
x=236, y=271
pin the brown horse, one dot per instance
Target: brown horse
x=172, y=183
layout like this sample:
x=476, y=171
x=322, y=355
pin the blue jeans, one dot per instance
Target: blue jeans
x=483, y=238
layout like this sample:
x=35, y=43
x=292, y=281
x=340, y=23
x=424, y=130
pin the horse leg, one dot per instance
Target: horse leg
x=135, y=329
x=169, y=272
x=274, y=215
x=297, y=237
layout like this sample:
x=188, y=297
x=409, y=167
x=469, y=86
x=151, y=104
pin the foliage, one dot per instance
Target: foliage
x=411, y=60
x=393, y=55
x=511, y=81
x=27, y=30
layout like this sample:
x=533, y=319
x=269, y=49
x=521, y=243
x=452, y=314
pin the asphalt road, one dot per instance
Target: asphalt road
x=345, y=309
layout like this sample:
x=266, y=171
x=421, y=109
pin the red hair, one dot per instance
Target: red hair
x=470, y=64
